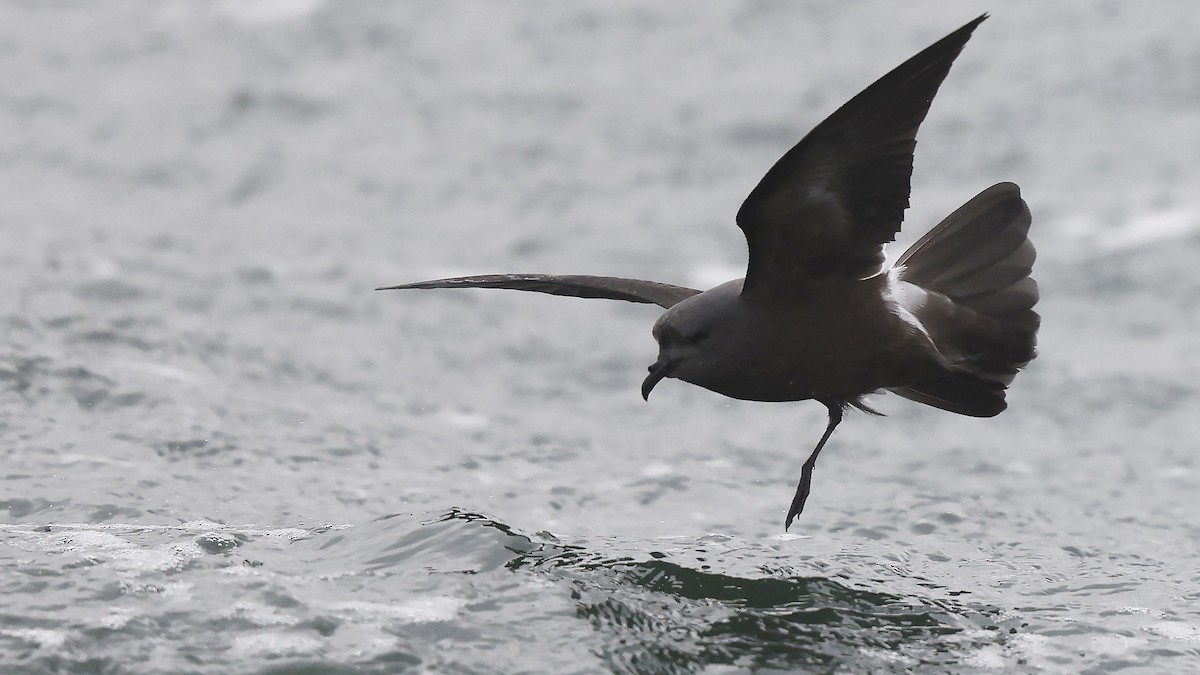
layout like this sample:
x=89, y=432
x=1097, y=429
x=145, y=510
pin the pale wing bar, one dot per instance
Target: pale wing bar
x=573, y=285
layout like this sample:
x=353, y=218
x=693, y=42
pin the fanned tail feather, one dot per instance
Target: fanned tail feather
x=967, y=281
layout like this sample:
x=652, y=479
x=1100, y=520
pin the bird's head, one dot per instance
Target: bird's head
x=691, y=336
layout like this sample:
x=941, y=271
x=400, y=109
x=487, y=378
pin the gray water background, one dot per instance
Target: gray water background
x=223, y=452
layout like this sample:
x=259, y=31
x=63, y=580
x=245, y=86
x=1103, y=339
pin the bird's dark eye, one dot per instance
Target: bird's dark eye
x=699, y=336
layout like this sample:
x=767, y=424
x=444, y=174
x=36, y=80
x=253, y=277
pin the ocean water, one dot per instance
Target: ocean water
x=223, y=452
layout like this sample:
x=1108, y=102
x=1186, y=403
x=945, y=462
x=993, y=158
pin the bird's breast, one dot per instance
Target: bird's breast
x=839, y=343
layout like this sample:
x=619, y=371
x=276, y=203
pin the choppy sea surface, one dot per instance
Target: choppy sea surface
x=223, y=452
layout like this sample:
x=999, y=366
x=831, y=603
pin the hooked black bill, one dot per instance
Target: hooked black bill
x=661, y=369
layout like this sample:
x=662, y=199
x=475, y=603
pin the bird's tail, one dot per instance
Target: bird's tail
x=967, y=282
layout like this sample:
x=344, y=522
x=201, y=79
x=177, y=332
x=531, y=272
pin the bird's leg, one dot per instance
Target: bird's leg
x=802, y=490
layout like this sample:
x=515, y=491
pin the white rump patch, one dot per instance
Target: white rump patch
x=899, y=297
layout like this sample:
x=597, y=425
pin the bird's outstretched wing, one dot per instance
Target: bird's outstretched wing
x=830, y=204
x=574, y=285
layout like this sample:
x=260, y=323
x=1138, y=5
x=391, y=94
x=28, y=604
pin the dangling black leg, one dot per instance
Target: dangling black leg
x=802, y=490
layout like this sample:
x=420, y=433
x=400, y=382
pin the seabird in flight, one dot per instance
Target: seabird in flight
x=819, y=315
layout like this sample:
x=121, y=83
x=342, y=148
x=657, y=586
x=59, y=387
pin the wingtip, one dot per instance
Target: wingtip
x=969, y=27
x=964, y=32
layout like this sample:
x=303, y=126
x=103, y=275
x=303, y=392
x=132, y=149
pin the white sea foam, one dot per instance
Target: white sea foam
x=890, y=657
x=1175, y=630
x=418, y=610
x=42, y=637
x=1114, y=644
x=261, y=615
x=274, y=643
x=990, y=657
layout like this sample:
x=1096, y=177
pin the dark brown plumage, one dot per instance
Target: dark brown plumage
x=817, y=316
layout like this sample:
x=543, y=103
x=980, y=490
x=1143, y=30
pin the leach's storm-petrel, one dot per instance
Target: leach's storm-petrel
x=818, y=315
